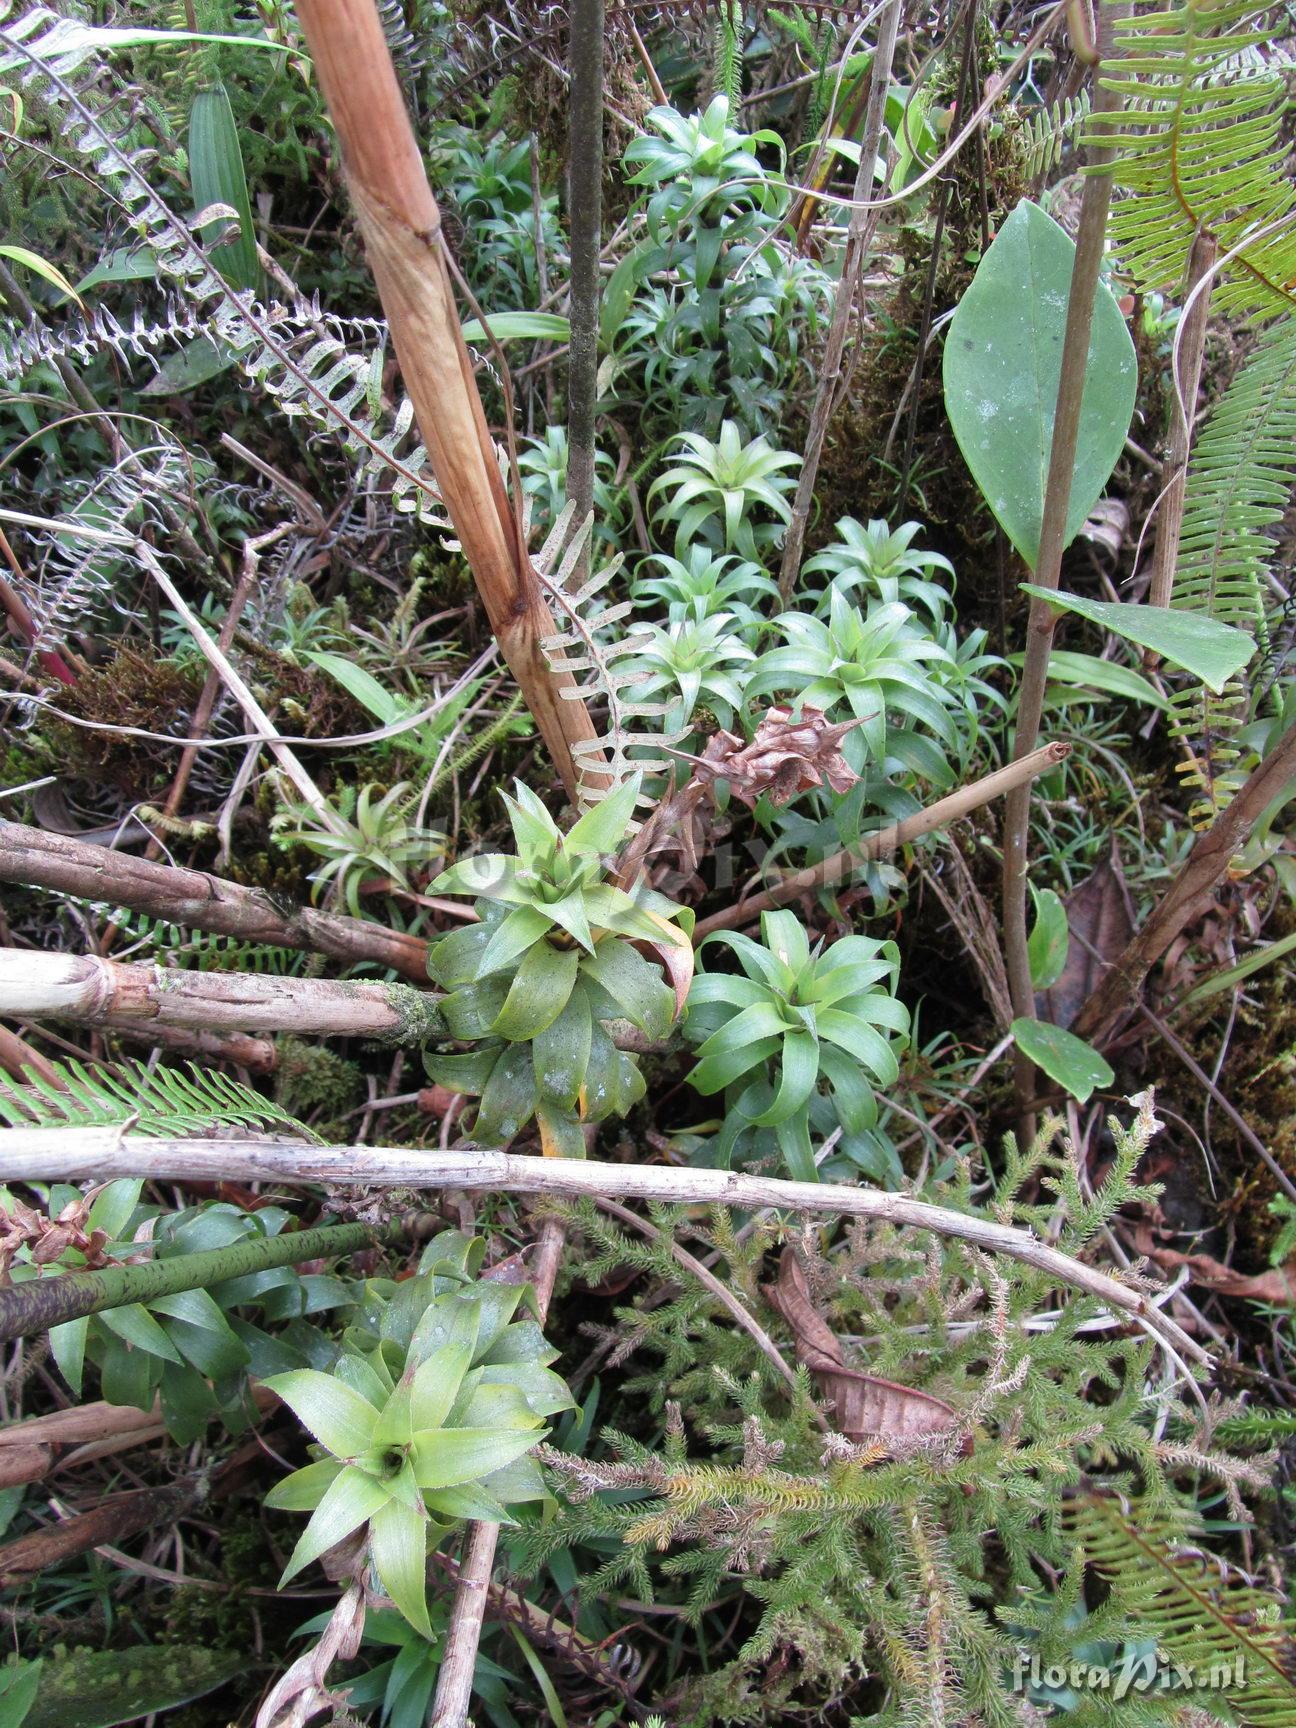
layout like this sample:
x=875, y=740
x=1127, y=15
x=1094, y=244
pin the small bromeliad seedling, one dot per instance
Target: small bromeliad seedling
x=551, y=962
x=827, y=1013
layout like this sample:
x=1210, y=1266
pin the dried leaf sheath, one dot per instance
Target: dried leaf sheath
x=401, y=224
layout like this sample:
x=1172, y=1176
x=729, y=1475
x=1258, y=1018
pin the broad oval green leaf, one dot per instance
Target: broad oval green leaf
x=1049, y=939
x=1198, y=643
x=1076, y=1066
x=1003, y=359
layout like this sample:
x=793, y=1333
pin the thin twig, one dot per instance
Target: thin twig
x=472, y=1590
x=86, y=1154
x=880, y=845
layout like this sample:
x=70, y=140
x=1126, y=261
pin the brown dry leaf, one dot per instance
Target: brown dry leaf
x=784, y=757
x=1101, y=921
x=1277, y=1286
x=866, y=1406
x=787, y=755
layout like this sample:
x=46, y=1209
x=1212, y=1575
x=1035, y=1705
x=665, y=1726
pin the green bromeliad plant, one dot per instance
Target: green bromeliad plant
x=794, y=1018
x=425, y=1420
x=533, y=985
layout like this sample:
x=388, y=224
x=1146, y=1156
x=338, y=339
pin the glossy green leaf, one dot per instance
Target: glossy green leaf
x=303, y=1490
x=106, y=1688
x=635, y=985
x=398, y=1548
x=1195, y=641
x=39, y=267
x=448, y=1456
x=602, y=829
x=68, y=1346
x=137, y=1327
x=437, y=1380
x=1074, y=1065
x=561, y=1052
x=1049, y=939
x=334, y=1412
x=1081, y=674
x=216, y=176
x=350, y=1499
x=539, y=991
x=521, y=929
x=360, y=683
x=112, y=1207
x=509, y=1100
x=195, y=362
x=561, y=1134
x=1003, y=357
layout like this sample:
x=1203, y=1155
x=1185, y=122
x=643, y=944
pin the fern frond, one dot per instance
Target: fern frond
x=591, y=645
x=1199, y=142
x=160, y=1102
x=1239, y=487
x=311, y=374
x=1051, y=132
x=406, y=49
x=74, y=580
x=1204, y=1614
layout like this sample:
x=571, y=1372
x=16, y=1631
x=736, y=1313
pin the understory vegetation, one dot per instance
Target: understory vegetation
x=647, y=1046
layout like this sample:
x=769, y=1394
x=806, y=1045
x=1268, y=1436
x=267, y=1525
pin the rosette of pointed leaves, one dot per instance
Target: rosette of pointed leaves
x=690, y=662
x=425, y=1419
x=885, y=564
x=713, y=488
x=700, y=585
x=550, y=963
x=876, y=666
x=795, y=1018
x=700, y=168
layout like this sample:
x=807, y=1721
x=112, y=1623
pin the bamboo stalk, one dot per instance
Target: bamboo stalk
x=35, y=858
x=401, y=224
x=84, y=1154
x=89, y=991
x=840, y=865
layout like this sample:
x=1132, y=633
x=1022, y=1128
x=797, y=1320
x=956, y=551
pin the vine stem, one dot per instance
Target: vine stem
x=176, y=894
x=1091, y=240
x=39, y=1303
x=1190, y=346
x=863, y=221
x=67, y=1155
x=88, y=990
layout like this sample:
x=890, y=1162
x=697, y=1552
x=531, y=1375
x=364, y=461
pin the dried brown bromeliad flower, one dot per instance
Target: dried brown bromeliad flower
x=788, y=753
